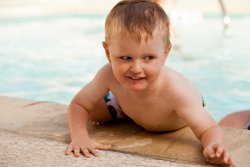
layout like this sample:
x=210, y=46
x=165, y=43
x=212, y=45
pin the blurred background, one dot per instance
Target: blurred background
x=50, y=49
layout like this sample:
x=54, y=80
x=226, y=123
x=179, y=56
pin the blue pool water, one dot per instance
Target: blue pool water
x=51, y=58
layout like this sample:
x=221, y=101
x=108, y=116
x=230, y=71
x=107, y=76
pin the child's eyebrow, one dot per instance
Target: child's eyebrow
x=122, y=54
x=149, y=54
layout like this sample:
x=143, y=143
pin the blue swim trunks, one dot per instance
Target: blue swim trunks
x=114, y=107
x=247, y=127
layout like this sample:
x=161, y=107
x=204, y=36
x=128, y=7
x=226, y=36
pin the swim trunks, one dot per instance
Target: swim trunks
x=247, y=127
x=114, y=107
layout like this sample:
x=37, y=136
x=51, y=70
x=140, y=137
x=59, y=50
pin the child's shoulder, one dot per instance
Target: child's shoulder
x=174, y=76
x=105, y=73
x=178, y=83
x=106, y=68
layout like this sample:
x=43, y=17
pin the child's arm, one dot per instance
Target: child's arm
x=188, y=104
x=214, y=151
x=78, y=119
x=78, y=116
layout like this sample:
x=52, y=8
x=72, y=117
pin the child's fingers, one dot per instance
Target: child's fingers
x=93, y=151
x=218, y=155
x=210, y=152
x=103, y=147
x=226, y=157
x=232, y=163
x=77, y=151
x=68, y=150
x=219, y=150
x=86, y=153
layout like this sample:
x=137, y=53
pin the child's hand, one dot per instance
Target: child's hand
x=86, y=147
x=216, y=154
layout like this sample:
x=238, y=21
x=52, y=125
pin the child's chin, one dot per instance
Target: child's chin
x=137, y=87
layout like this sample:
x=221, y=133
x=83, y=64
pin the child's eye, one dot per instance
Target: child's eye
x=125, y=57
x=147, y=58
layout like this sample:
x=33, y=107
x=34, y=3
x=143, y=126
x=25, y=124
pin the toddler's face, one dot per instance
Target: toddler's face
x=137, y=65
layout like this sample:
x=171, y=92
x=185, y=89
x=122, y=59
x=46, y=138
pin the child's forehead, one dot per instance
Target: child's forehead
x=124, y=35
x=127, y=44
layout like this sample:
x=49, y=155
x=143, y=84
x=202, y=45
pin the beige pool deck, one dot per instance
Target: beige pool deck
x=34, y=133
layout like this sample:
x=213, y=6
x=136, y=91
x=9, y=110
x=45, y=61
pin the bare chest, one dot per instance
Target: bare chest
x=154, y=114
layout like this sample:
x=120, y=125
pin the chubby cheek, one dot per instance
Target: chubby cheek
x=153, y=72
x=118, y=71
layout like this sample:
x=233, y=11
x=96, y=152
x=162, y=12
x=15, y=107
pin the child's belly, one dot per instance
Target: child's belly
x=158, y=122
x=161, y=127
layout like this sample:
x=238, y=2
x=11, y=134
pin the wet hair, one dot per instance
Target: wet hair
x=136, y=18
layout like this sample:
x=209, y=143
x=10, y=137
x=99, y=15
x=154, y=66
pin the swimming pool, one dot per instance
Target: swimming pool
x=51, y=58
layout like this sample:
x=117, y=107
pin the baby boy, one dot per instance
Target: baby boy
x=140, y=87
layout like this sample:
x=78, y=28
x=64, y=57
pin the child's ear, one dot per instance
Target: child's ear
x=105, y=46
x=167, y=50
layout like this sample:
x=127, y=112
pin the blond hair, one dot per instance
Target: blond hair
x=135, y=18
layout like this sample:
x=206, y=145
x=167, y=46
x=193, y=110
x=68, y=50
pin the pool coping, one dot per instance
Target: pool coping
x=17, y=117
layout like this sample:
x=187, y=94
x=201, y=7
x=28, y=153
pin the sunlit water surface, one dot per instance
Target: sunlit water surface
x=51, y=58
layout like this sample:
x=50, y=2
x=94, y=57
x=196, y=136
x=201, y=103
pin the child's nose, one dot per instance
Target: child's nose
x=136, y=66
